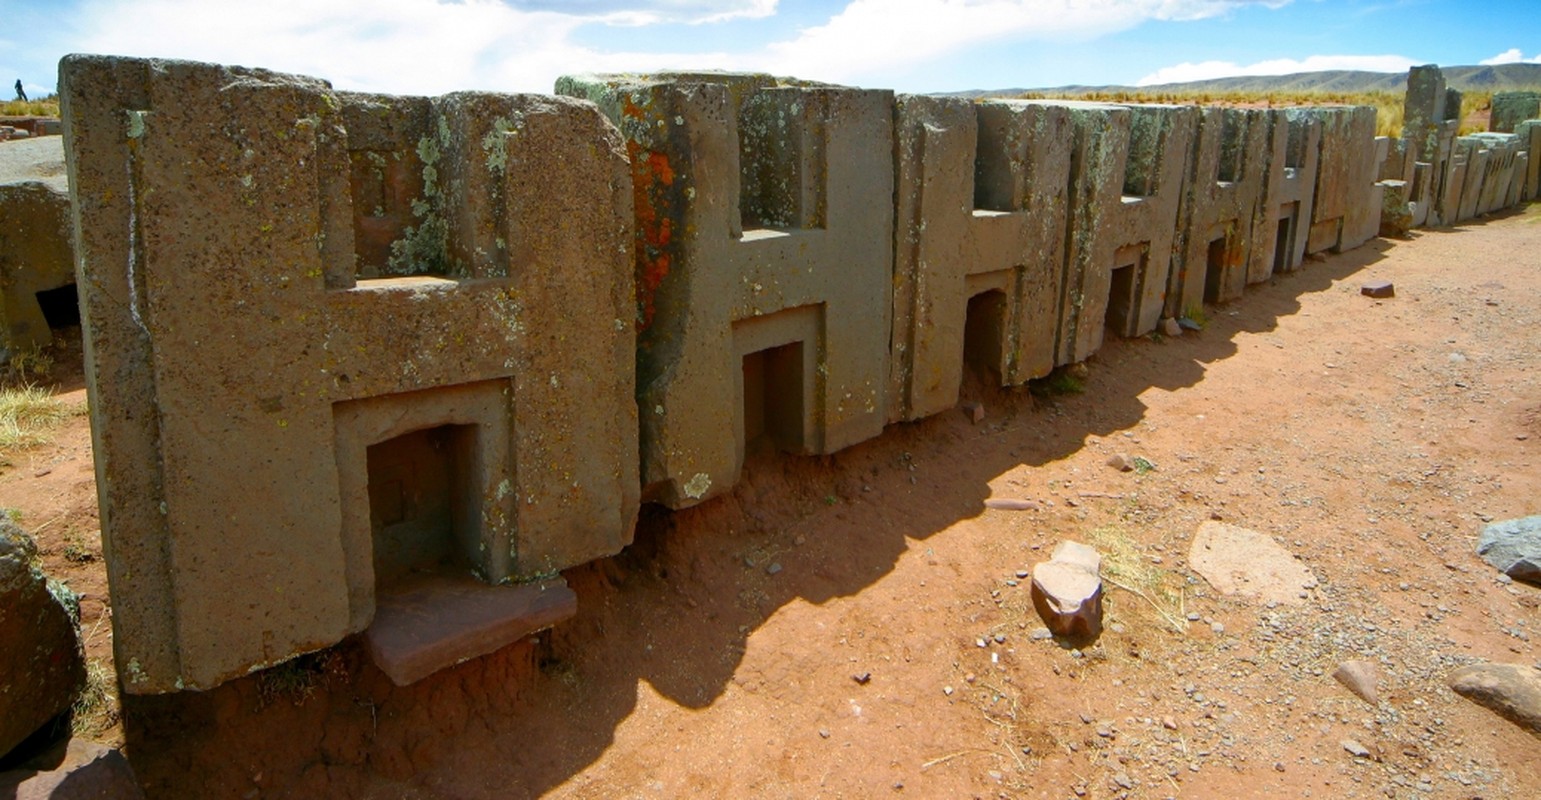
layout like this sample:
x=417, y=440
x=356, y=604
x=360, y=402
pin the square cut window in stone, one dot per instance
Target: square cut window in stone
x=995, y=183
x=782, y=168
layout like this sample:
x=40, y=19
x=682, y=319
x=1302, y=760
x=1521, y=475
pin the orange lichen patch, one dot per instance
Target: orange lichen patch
x=655, y=204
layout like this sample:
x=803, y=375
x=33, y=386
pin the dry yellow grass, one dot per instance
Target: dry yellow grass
x=1388, y=105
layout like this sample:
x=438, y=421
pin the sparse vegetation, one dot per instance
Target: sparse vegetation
x=96, y=707
x=297, y=679
x=1388, y=105
x=1125, y=567
x=41, y=107
x=27, y=415
x=1062, y=381
x=33, y=363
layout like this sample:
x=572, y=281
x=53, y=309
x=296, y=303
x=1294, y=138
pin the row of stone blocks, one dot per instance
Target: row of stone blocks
x=1431, y=176
x=338, y=344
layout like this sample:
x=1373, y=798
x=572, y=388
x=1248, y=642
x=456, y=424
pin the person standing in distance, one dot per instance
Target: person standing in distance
x=21, y=94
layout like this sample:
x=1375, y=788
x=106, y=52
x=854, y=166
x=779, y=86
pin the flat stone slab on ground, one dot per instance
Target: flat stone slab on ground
x=1236, y=560
x=89, y=771
x=439, y=621
x=1514, y=547
x=1512, y=691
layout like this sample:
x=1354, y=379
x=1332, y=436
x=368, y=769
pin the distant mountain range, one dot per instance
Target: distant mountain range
x=1498, y=78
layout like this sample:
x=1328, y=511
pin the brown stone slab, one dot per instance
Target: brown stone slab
x=438, y=621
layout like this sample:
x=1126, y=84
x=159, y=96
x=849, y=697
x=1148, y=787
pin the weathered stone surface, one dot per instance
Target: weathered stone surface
x=1067, y=591
x=1396, y=214
x=1223, y=208
x=1513, y=547
x=1236, y=560
x=979, y=247
x=42, y=664
x=1360, y=677
x=1509, y=109
x=1170, y=327
x=1378, y=288
x=765, y=262
x=1346, y=210
x=1512, y=691
x=89, y=771
x=433, y=622
x=1126, y=197
x=459, y=398
x=36, y=252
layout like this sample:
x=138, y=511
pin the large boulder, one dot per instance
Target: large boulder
x=42, y=663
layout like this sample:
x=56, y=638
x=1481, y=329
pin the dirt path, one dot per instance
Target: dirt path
x=720, y=655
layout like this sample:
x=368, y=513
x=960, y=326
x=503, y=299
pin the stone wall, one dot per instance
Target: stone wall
x=341, y=342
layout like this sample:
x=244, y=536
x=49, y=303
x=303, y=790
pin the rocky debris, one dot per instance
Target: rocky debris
x=1067, y=591
x=88, y=771
x=1361, y=678
x=1170, y=327
x=1378, y=289
x=1236, y=560
x=974, y=411
x=1513, y=691
x=1514, y=547
x=42, y=663
x=1355, y=749
x=1121, y=462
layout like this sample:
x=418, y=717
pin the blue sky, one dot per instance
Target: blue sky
x=435, y=46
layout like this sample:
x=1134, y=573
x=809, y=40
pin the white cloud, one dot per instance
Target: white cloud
x=395, y=46
x=870, y=36
x=1206, y=70
x=434, y=46
x=1513, y=55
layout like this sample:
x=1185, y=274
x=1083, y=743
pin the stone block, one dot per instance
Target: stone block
x=764, y=262
x=42, y=663
x=1378, y=289
x=1513, y=691
x=1509, y=109
x=460, y=399
x=1223, y=215
x=1067, y=591
x=1346, y=209
x=1125, y=191
x=37, y=259
x=87, y=771
x=1288, y=196
x=978, y=246
x=1396, y=216
x=1529, y=132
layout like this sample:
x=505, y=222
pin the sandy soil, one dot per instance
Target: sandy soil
x=855, y=626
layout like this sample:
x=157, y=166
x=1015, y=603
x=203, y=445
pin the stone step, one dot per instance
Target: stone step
x=431, y=622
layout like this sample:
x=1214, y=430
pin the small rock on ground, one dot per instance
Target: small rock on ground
x=1361, y=678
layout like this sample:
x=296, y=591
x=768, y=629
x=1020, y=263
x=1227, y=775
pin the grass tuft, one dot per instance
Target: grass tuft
x=27, y=415
x=1126, y=567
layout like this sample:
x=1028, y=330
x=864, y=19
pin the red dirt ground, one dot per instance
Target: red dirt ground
x=1372, y=438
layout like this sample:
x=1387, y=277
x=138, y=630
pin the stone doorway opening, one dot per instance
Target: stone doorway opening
x=423, y=503
x=773, y=399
